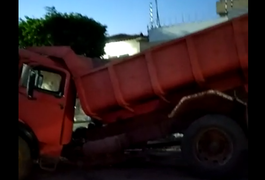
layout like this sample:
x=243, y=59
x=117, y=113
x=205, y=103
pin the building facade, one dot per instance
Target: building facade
x=226, y=9
x=231, y=7
x=167, y=33
x=123, y=45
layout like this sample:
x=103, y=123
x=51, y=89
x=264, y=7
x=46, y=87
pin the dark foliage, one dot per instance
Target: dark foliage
x=83, y=34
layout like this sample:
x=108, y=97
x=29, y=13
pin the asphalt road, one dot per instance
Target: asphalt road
x=163, y=166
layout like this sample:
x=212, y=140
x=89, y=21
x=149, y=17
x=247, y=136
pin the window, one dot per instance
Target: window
x=46, y=80
x=50, y=82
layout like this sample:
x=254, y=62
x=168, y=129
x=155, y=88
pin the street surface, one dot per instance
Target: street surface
x=159, y=166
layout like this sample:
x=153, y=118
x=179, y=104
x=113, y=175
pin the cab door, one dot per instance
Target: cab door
x=44, y=112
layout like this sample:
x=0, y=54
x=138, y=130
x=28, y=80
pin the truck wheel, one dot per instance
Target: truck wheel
x=24, y=159
x=213, y=146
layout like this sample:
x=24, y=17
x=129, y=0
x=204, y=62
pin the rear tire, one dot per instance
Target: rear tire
x=218, y=155
x=24, y=159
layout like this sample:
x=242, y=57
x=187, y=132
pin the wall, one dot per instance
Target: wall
x=127, y=48
x=147, y=45
x=80, y=118
x=121, y=48
x=222, y=7
x=79, y=113
x=177, y=31
x=234, y=8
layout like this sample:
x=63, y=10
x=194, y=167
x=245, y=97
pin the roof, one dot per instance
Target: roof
x=124, y=37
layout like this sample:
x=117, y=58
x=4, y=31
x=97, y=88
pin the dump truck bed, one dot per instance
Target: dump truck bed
x=214, y=58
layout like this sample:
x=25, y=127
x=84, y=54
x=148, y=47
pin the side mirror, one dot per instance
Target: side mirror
x=31, y=83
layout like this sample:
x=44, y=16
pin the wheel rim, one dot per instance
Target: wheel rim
x=213, y=146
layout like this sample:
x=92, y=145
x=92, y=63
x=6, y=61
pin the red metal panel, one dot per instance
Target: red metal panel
x=198, y=58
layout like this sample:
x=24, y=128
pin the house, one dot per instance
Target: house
x=123, y=45
x=226, y=9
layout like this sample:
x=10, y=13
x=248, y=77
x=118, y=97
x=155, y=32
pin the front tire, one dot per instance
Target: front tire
x=213, y=146
x=24, y=159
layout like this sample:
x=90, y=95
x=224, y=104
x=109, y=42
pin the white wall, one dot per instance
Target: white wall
x=120, y=48
x=237, y=12
x=79, y=113
x=172, y=32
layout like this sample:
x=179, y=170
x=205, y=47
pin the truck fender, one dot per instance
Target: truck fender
x=26, y=133
x=196, y=105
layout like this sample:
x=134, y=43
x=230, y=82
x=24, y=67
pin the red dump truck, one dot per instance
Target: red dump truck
x=196, y=85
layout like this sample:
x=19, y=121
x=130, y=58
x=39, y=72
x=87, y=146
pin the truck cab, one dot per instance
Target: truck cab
x=46, y=104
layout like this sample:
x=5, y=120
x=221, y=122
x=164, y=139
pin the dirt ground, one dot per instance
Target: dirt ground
x=163, y=166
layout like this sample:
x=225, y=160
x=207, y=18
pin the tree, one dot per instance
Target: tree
x=83, y=34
